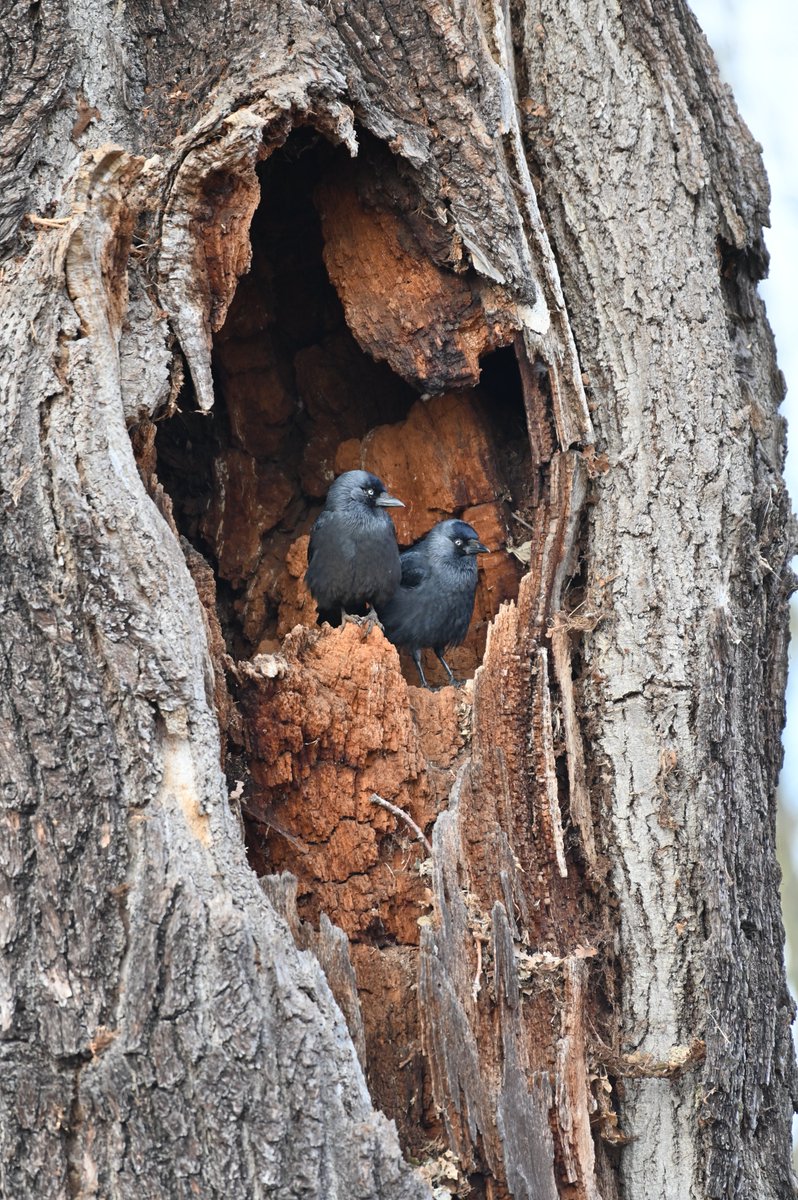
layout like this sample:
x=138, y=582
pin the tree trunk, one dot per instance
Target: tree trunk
x=506, y=256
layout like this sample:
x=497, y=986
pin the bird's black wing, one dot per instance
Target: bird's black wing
x=327, y=572
x=415, y=567
x=318, y=527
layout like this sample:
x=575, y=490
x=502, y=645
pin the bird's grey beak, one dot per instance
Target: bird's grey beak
x=474, y=547
x=386, y=501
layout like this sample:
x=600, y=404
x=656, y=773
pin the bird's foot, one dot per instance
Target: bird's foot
x=366, y=623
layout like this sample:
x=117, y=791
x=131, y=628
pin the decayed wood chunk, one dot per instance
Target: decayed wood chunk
x=428, y=323
x=333, y=723
x=398, y=1075
x=257, y=388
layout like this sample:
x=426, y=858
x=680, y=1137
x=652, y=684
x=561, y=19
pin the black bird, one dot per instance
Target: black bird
x=433, y=604
x=353, y=558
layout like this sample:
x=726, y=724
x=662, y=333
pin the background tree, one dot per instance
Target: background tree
x=508, y=256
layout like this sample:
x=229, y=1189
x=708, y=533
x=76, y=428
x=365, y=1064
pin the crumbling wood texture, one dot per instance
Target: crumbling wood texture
x=599, y=937
x=435, y=326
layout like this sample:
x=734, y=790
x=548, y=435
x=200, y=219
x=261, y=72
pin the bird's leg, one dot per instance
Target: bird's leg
x=454, y=682
x=420, y=669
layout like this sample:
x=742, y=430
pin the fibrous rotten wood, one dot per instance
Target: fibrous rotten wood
x=581, y=993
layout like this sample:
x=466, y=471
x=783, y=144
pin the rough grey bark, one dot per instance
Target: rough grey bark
x=161, y=1034
x=656, y=197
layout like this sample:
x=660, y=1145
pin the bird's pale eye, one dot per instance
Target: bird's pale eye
x=369, y=491
x=458, y=541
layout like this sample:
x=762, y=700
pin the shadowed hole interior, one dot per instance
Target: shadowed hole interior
x=298, y=401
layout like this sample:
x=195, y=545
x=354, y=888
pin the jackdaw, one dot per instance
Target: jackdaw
x=353, y=558
x=433, y=604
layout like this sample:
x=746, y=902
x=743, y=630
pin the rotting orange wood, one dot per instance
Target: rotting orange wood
x=332, y=725
x=256, y=384
x=226, y=202
x=248, y=501
x=428, y=323
x=387, y=980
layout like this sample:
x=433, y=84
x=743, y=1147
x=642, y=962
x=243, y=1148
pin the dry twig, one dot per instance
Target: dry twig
x=408, y=820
